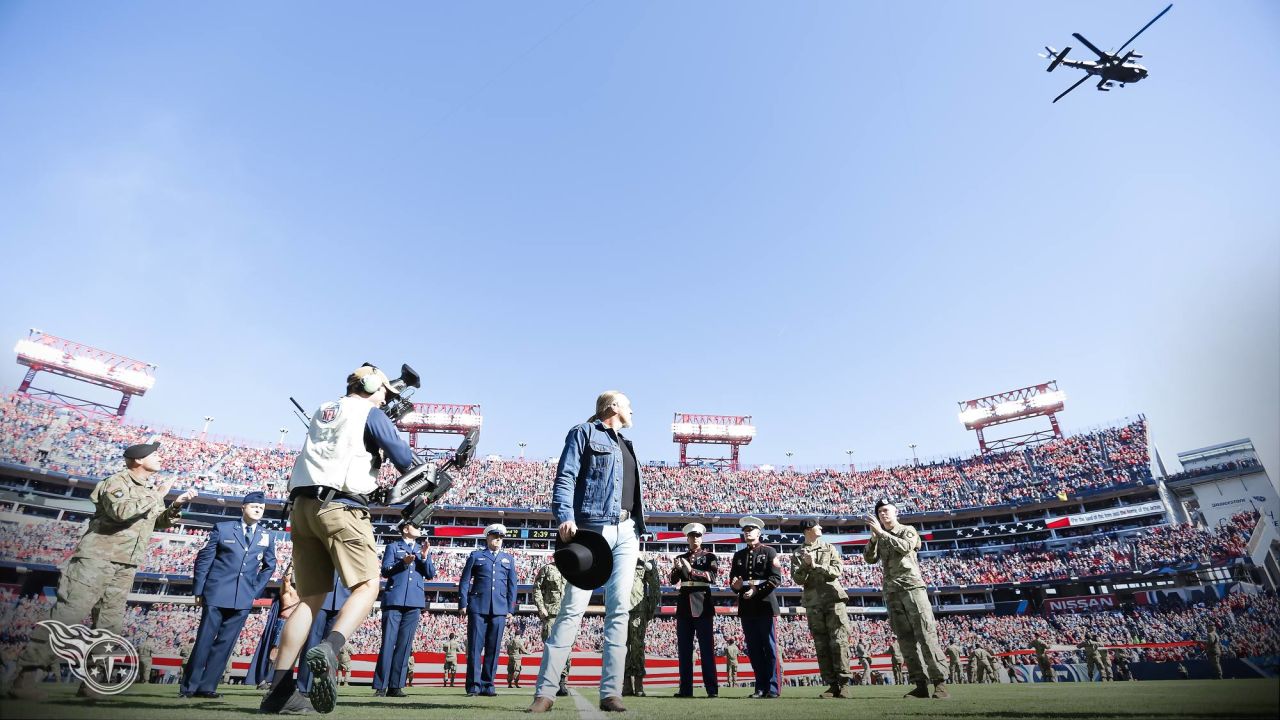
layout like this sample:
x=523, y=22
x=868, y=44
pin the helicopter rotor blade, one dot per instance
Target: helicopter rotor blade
x=1073, y=87
x=1144, y=28
x=1101, y=55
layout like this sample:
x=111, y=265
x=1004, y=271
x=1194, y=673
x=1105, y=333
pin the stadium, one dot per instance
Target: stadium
x=1039, y=536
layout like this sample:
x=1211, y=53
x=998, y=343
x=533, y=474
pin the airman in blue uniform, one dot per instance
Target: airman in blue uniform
x=231, y=571
x=406, y=566
x=486, y=594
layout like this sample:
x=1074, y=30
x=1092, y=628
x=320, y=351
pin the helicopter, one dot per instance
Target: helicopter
x=1111, y=68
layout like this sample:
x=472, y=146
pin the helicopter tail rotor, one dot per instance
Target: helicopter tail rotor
x=1058, y=57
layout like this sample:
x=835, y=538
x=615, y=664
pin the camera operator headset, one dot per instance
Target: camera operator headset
x=329, y=489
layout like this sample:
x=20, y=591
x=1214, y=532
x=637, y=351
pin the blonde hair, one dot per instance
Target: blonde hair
x=606, y=399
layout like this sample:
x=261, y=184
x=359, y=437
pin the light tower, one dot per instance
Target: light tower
x=439, y=419
x=732, y=430
x=41, y=352
x=1043, y=400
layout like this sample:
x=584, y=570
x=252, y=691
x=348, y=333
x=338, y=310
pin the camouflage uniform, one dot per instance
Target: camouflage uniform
x=97, y=579
x=895, y=662
x=185, y=654
x=1213, y=652
x=515, y=659
x=548, y=592
x=731, y=662
x=1048, y=674
x=646, y=595
x=910, y=615
x=450, y=649
x=1092, y=657
x=824, y=606
x=344, y=665
x=985, y=669
x=955, y=671
x=145, y=652
x=863, y=658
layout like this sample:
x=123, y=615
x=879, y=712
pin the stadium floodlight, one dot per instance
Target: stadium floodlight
x=1043, y=400
x=41, y=352
x=427, y=419
x=693, y=428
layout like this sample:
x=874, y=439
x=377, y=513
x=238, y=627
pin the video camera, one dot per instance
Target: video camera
x=424, y=484
x=399, y=405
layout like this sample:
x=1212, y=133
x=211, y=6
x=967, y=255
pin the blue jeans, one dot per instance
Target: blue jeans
x=617, y=596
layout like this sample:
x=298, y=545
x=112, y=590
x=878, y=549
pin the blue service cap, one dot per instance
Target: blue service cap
x=257, y=496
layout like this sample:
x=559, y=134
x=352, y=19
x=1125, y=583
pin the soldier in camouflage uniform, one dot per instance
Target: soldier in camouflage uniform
x=955, y=671
x=646, y=595
x=731, y=661
x=816, y=567
x=184, y=655
x=863, y=658
x=515, y=659
x=548, y=592
x=450, y=649
x=985, y=669
x=1092, y=656
x=969, y=666
x=1047, y=673
x=344, y=665
x=128, y=506
x=145, y=653
x=894, y=545
x=1213, y=652
x=895, y=661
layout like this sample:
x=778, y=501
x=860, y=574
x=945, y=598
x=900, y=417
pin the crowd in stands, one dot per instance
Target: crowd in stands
x=38, y=434
x=51, y=542
x=1247, y=625
x=1242, y=464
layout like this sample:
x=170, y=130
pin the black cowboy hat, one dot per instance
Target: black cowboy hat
x=586, y=561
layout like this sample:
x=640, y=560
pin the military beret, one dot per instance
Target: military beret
x=695, y=528
x=257, y=496
x=496, y=528
x=884, y=501
x=751, y=521
x=810, y=523
x=137, y=452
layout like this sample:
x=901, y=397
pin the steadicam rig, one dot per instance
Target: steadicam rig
x=422, y=485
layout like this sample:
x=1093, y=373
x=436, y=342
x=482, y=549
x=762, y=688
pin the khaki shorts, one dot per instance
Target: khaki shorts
x=331, y=536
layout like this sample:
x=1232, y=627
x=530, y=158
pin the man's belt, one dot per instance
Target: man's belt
x=754, y=583
x=326, y=494
x=693, y=584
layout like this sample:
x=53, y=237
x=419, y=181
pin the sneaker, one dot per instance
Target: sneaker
x=323, y=663
x=295, y=704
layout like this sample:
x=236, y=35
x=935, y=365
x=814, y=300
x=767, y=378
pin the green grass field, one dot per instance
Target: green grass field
x=1171, y=699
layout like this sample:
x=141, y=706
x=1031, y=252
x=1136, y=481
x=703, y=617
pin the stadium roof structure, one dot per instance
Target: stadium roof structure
x=1043, y=400
x=41, y=352
x=439, y=419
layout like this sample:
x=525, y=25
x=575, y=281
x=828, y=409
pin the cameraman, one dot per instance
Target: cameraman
x=330, y=485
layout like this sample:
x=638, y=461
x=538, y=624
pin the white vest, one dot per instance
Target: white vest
x=334, y=454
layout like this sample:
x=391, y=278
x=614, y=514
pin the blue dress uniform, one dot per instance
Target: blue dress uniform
x=487, y=591
x=321, y=625
x=761, y=570
x=231, y=571
x=402, y=604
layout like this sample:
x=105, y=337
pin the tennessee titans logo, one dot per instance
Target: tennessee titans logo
x=93, y=654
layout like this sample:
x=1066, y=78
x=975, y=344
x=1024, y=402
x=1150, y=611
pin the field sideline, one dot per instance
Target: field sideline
x=1166, y=699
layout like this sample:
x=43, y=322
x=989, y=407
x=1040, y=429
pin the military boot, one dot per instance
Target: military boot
x=563, y=690
x=639, y=685
x=921, y=691
x=940, y=690
x=27, y=685
x=830, y=692
x=842, y=690
x=626, y=686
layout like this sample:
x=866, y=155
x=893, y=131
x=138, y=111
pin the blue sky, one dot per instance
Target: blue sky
x=840, y=218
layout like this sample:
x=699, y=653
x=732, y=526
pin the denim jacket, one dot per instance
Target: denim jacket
x=588, y=487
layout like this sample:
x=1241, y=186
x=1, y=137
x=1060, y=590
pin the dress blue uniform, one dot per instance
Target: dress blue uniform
x=487, y=591
x=760, y=571
x=321, y=625
x=402, y=604
x=231, y=571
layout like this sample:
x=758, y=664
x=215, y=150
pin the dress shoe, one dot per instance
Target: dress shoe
x=713, y=695
x=380, y=693
x=770, y=696
x=563, y=691
x=471, y=694
x=757, y=695
x=208, y=695
x=540, y=705
x=683, y=695
x=612, y=704
x=490, y=693
x=396, y=692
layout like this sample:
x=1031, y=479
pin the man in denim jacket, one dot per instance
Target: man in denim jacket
x=597, y=487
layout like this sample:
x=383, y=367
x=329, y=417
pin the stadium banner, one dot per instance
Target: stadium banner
x=1221, y=499
x=1154, y=507
x=1080, y=603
